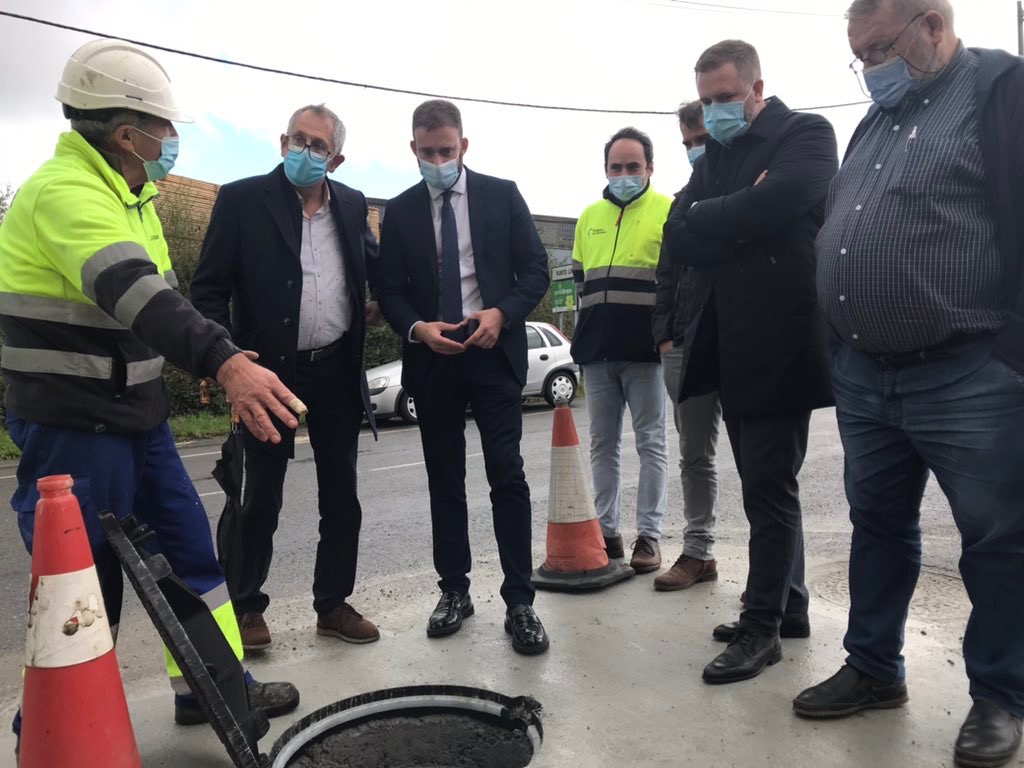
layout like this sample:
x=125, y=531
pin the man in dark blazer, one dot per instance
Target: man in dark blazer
x=744, y=229
x=290, y=253
x=461, y=267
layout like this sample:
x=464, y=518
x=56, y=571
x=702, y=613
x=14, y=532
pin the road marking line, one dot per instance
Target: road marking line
x=304, y=440
x=412, y=464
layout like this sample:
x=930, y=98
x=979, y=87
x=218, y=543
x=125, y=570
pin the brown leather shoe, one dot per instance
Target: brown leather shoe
x=254, y=631
x=646, y=555
x=613, y=546
x=685, y=572
x=346, y=623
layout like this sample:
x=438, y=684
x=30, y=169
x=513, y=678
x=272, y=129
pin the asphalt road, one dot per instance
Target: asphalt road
x=395, y=541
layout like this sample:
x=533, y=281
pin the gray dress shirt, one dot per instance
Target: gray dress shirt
x=325, y=312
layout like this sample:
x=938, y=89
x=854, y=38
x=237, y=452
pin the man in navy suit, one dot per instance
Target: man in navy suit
x=291, y=252
x=461, y=267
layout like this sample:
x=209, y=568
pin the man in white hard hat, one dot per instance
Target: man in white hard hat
x=89, y=311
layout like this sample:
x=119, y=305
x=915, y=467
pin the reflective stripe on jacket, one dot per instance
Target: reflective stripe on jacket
x=615, y=257
x=81, y=258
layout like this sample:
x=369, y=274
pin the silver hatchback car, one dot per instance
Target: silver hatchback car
x=551, y=374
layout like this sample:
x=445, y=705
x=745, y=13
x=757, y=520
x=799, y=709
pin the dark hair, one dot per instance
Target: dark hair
x=437, y=113
x=737, y=52
x=635, y=135
x=691, y=114
x=98, y=125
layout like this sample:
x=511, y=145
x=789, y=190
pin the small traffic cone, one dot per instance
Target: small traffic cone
x=73, y=708
x=576, y=557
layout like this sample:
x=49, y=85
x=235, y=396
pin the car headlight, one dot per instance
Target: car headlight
x=378, y=384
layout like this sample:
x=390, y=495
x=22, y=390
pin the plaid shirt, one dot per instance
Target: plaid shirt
x=908, y=256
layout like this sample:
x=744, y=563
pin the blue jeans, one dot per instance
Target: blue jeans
x=962, y=418
x=611, y=386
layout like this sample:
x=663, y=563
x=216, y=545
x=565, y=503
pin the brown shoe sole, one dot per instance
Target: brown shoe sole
x=713, y=576
x=645, y=568
x=257, y=647
x=328, y=632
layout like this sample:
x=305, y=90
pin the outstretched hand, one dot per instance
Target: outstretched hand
x=256, y=393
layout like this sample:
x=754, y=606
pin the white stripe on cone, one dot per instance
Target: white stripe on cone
x=569, y=497
x=67, y=622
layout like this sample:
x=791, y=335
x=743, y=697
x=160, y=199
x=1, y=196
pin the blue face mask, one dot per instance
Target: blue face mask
x=693, y=153
x=725, y=122
x=889, y=82
x=441, y=176
x=625, y=188
x=159, y=168
x=303, y=170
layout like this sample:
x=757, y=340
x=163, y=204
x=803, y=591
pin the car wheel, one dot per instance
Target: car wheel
x=407, y=408
x=560, y=386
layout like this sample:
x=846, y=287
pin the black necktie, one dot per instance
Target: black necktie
x=451, y=277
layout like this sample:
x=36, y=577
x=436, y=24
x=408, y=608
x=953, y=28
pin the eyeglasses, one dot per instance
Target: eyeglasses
x=317, y=149
x=876, y=56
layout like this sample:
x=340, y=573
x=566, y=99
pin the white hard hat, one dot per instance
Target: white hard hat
x=111, y=74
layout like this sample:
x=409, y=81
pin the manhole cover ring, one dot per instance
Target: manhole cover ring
x=938, y=596
x=519, y=716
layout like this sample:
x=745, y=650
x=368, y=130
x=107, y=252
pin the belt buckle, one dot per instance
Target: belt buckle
x=314, y=354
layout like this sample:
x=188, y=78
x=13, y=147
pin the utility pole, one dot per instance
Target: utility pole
x=1020, y=28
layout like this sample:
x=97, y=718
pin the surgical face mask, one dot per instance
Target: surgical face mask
x=159, y=168
x=625, y=188
x=441, y=176
x=889, y=82
x=726, y=122
x=693, y=153
x=303, y=170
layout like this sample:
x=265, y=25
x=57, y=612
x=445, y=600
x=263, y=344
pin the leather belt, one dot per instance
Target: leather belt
x=314, y=355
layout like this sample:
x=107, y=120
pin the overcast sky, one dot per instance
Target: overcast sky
x=610, y=54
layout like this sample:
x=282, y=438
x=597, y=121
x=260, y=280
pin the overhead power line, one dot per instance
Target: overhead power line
x=370, y=86
x=724, y=7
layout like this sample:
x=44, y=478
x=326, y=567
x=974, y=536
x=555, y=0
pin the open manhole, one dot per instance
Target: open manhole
x=939, y=597
x=427, y=726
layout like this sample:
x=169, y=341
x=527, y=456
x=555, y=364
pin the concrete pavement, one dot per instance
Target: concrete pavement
x=621, y=684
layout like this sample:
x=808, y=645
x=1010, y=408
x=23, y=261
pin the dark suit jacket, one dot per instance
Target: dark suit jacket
x=754, y=331
x=250, y=262
x=511, y=267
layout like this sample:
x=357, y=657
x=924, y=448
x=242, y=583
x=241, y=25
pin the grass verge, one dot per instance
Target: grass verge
x=190, y=427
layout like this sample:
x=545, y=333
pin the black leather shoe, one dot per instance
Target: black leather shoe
x=746, y=657
x=275, y=699
x=528, y=635
x=791, y=627
x=849, y=691
x=447, y=617
x=989, y=736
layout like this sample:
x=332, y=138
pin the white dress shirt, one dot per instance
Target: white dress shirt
x=471, y=300
x=325, y=312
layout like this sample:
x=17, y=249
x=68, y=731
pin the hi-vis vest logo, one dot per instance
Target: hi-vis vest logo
x=591, y=231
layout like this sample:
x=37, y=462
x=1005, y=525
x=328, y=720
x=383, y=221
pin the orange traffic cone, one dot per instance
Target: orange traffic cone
x=576, y=558
x=73, y=710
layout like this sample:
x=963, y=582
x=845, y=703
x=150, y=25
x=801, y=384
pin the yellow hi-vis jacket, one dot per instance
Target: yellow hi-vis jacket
x=615, y=256
x=86, y=294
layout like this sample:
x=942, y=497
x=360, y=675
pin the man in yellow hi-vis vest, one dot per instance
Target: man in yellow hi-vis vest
x=89, y=311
